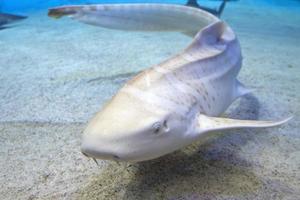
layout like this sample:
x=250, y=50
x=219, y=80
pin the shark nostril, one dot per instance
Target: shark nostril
x=116, y=157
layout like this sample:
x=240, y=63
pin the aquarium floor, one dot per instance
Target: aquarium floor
x=56, y=74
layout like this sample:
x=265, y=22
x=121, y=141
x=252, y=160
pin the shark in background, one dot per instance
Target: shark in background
x=6, y=19
x=217, y=12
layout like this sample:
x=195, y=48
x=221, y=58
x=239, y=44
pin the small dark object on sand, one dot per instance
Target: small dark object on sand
x=217, y=12
x=9, y=18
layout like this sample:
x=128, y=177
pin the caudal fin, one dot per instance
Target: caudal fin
x=207, y=123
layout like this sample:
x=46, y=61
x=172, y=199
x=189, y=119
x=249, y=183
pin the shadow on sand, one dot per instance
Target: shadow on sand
x=212, y=169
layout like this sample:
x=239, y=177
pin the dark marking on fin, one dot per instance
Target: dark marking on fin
x=62, y=11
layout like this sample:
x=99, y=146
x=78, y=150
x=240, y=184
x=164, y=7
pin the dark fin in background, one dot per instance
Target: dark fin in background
x=218, y=12
x=221, y=8
x=5, y=27
x=6, y=18
x=192, y=3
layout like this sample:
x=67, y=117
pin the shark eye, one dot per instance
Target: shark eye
x=156, y=127
x=166, y=127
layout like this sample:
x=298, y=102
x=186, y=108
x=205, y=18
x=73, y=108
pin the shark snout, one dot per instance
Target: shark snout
x=93, y=153
x=89, y=149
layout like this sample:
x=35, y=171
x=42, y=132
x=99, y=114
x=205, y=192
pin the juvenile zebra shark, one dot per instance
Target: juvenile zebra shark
x=172, y=104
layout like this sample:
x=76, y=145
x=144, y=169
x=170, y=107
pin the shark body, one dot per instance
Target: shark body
x=174, y=103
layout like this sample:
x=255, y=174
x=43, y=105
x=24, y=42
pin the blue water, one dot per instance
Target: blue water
x=17, y=5
x=25, y=5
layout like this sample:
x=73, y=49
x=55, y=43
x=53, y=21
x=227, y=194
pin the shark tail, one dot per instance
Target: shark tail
x=138, y=17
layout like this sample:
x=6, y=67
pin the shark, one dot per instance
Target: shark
x=6, y=18
x=174, y=103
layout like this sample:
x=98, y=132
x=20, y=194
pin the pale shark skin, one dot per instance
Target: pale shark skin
x=172, y=104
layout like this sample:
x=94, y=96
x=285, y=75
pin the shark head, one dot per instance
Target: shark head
x=126, y=130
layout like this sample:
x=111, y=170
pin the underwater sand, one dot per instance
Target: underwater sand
x=56, y=74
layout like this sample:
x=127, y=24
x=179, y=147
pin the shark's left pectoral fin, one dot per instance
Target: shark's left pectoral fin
x=206, y=123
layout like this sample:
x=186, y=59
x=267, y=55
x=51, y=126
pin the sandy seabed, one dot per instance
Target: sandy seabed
x=55, y=75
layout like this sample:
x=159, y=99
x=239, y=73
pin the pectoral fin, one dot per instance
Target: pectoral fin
x=206, y=124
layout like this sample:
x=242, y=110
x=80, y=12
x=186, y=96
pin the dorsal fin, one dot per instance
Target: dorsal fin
x=211, y=41
x=211, y=34
x=214, y=36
